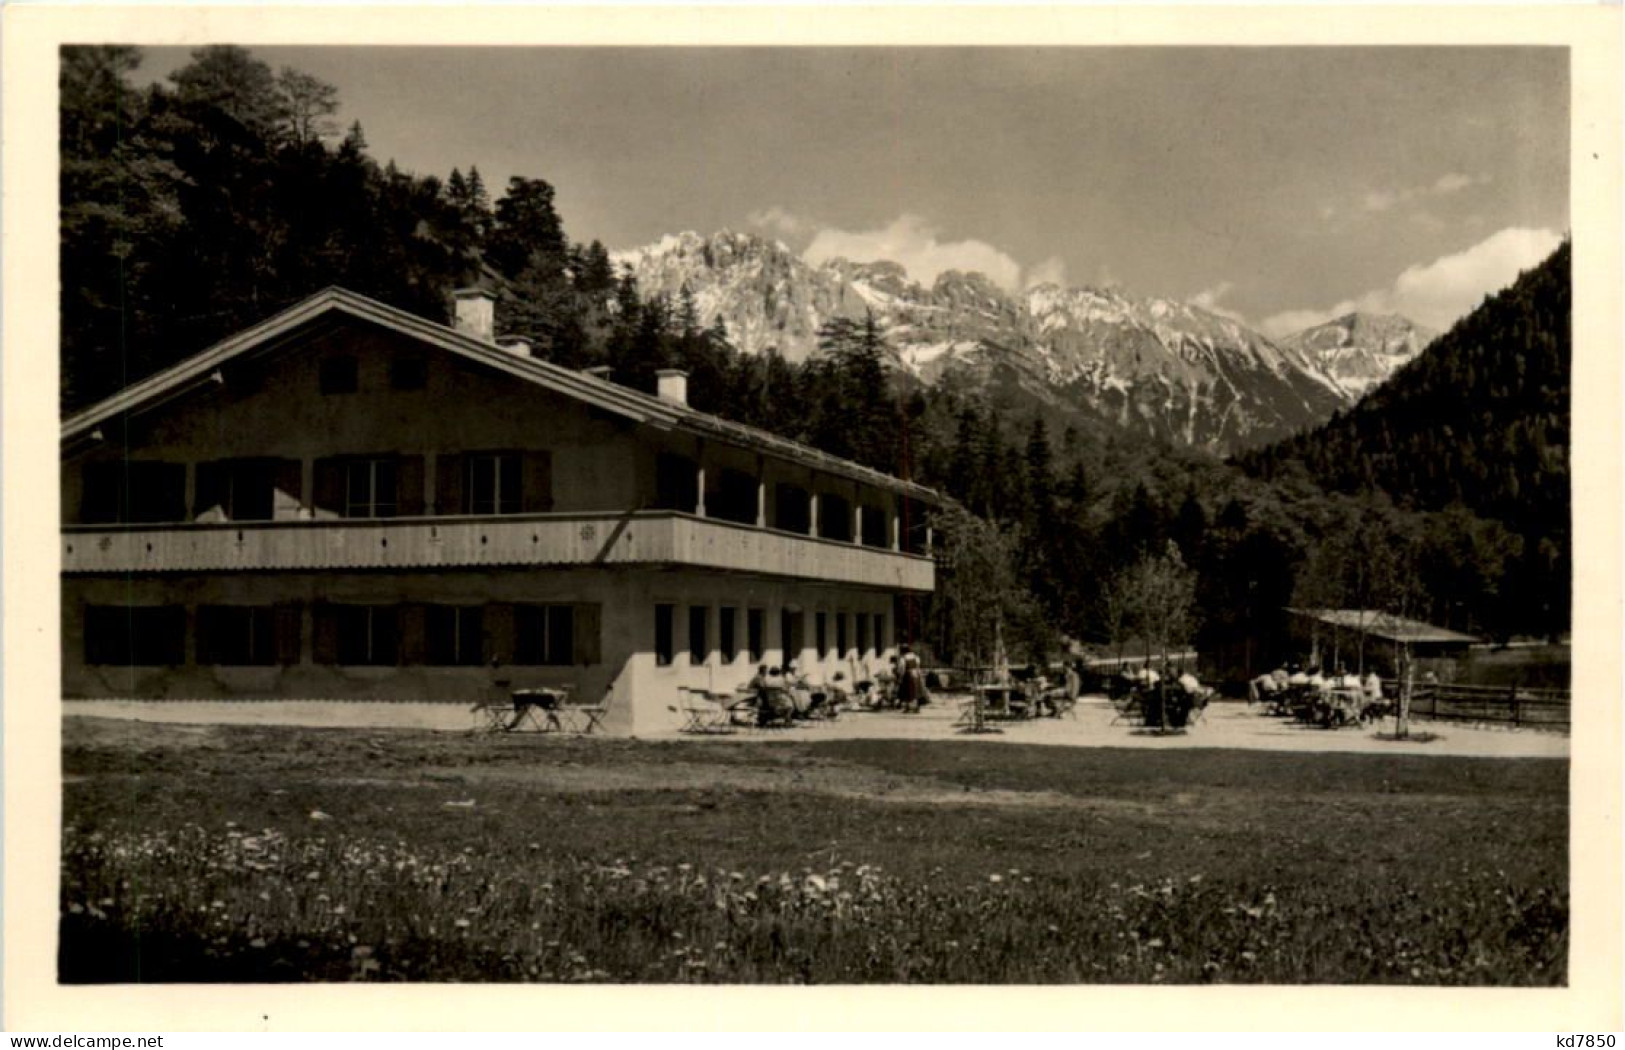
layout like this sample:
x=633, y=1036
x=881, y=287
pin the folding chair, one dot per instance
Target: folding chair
x=584, y=718
x=701, y=713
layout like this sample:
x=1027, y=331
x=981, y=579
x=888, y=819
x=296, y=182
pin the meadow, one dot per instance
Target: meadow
x=222, y=853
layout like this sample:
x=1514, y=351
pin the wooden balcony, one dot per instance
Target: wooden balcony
x=638, y=538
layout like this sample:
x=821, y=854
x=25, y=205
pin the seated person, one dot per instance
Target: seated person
x=1372, y=688
x=776, y=704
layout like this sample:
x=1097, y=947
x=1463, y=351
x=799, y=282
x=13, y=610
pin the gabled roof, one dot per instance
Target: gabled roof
x=1384, y=625
x=204, y=367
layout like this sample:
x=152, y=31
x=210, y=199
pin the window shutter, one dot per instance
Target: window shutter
x=210, y=492
x=329, y=485
x=208, y=641
x=409, y=485
x=98, y=497
x=414, y=633
x=588, y=626
x=287, y=475
x=537, y=487
x=325, y=642
x=290, y=622
x=448, y=484
x=499, y=632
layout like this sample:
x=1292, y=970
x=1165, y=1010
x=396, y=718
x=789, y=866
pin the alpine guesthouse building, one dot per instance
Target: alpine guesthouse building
x=348, y=502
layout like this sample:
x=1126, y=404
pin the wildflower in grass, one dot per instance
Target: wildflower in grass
x=995, y=877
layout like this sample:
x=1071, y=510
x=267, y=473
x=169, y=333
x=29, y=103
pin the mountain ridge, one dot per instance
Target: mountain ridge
x=1158, y=367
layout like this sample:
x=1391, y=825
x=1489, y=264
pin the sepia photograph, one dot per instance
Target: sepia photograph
x=891, y=515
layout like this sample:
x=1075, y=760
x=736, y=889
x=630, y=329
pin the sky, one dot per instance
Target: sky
x=1281, y=186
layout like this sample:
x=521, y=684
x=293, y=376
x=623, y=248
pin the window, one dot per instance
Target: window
x=863, y=634
x=408, y=373
x=834, y=518
x=874, y=527
x=665, y=617
x=367, y=635
x=735, y=498
x=792, y=510
x=133, y=491
x=493, y=483
x=880, y=632
x=135, y=636
x=246, y=489
x=239, y=636
x=371, y=488
x=755, y=643
x=821, y=634
x=454, y=635
x=727, y=638
x=913, y=527
x=840, y=635
x=698, y=646
x=544, y=634
x=677, y=483
x=339, y=375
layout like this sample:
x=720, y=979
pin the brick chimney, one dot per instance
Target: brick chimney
x=476, y=313
x=672, y=385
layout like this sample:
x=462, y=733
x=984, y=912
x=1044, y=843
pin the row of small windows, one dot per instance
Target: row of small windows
x=869, y=630
x=736, y=495
x=377, y=486
x=527, y=634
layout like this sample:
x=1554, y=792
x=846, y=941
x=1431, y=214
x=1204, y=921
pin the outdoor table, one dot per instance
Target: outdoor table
x=529, y=703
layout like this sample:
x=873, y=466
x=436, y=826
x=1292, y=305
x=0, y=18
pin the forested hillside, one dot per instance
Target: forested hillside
x=1477, y=427
x=195, y=208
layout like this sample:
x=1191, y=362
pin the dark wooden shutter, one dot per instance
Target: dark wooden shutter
x=210, y=491
x=409, y=485
x=499, y=632
x=448, y=484
x=99, y=493
x=325, y=640
x=208, y=635
x=536, y=490
x=290, y=623
x=414, y=633
x=288, y=477
x=329, y=485
x=588, y=627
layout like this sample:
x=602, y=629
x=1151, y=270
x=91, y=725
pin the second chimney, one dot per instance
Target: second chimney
x=672, y=385
x=476, y=313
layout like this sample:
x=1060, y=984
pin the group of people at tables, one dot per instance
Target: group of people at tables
x=783, y=695
x=1309, y=695
x=1172, y=703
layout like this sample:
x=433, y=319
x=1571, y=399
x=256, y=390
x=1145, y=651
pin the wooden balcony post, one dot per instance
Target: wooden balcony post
x=307, y=488
x=812, y=511
x=896, y=528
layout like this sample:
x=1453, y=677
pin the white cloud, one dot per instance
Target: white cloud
x=779, y=220
x=1443, y=186
x=1050, y=271
x=912, y=242
x=1439, y=293
x=1379, y=200
x=1455, y=181
x=1209, y=299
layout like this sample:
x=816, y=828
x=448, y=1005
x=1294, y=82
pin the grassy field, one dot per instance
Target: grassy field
x=282, y=854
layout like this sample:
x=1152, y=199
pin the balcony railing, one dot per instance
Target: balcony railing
x=637, y=538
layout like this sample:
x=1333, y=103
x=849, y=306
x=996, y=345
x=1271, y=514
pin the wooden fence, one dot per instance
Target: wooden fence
x=1513, y=705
